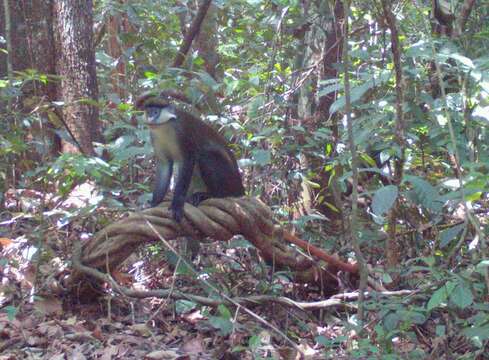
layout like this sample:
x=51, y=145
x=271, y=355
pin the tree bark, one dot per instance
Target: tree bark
x=322, y=49
x=191, y=33
x=75, y=64
x=31, y=33
x=207, y=41
x=393, y=246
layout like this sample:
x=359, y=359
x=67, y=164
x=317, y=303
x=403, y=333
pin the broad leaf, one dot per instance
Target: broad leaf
x=440, y=296
x=383, y=199
x=447, y=235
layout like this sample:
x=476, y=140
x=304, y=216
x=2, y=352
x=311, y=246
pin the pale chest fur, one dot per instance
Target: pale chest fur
x=165, y=143
x=165, y=146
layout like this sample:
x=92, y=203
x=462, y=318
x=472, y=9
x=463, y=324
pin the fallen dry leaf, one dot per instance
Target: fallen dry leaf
x=194, y=346
x=5, y=241
x=141, y=329
x=162, y=355
x=49, y=305
x=193, y=317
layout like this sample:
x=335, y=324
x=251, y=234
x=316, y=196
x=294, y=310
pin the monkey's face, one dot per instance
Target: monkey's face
x=157, y=115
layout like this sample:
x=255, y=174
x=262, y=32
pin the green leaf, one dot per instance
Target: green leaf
x=11, y=312
x=255, y=105
x=447, y=235
x=462, y=296
x=421, y=49
x=224, y=311
x=208, y=80
x=482, y=267
x=386, y=278
x=383, y=199
x=424, y=194
x=357, y=92
x=479, y=333
x=391, y=321
x=440, y=296
x=225, y=326
x=463, y=60
x=440, y=330
x=254, y=341
x=331, y=88
x=255, y=81
x=184, y=306
x=262, y=157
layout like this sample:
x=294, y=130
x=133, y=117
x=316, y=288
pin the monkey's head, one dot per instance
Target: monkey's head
x=158, y=111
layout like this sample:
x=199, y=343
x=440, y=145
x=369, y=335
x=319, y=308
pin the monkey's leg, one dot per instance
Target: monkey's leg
x=192, y=246
x=164, y=172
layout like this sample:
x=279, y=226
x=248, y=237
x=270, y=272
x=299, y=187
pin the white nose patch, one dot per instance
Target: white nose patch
x=166, y=115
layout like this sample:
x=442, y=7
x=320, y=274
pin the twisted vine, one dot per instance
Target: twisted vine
x=219, y=219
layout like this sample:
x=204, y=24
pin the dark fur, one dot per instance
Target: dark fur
x=199, y=145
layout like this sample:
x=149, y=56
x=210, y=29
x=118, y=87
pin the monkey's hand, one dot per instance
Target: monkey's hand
x=177, y=209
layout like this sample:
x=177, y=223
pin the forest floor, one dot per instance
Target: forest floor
x=39, y=320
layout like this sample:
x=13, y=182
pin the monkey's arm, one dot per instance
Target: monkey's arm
x=185, y=169
x=164, y=171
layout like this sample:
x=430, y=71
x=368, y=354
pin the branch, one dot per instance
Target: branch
x=464, y=15
x=191, y=33
x=321, y=254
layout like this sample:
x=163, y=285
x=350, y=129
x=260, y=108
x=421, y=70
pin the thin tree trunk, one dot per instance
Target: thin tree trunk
x=76, y=66
x=116, y=25
x=8, y=40
x=207, y=41
x=393, y=248
x=323, y=50
x=192, y=33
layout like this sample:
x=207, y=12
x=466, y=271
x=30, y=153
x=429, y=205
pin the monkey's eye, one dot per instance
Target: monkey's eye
x=152, y=113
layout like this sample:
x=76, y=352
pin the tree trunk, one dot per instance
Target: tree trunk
x=75, y=64
x=31, y=34
x=207, y=41
x=332, y=55
x=118, y=24
x=322, y=44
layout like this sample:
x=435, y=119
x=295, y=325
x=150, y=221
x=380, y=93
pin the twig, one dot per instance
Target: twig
x=191, y=33
x=353, y=220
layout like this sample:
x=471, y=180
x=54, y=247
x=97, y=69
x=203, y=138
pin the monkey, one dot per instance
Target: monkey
x=206, y=167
